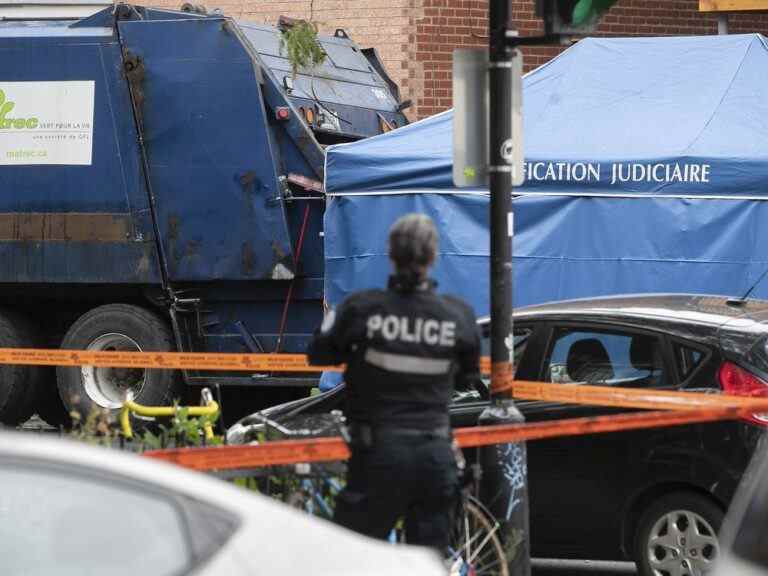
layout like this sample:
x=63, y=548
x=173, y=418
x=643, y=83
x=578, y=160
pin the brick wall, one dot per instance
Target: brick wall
x=415, y=38
x=446, y=24
x=642, y=18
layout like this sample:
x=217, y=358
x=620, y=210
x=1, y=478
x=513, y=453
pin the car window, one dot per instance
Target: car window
x=56, y=523
x=687, y=359
x=521, y=336
x=605, y=357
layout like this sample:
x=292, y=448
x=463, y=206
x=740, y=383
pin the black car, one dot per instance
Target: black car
x=654, y=496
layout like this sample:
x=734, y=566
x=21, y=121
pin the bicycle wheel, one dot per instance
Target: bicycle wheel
x=476, y=549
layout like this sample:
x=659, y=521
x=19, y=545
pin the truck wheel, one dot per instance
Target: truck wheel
x=18, y=384
x=117, y=327
x=49, y=405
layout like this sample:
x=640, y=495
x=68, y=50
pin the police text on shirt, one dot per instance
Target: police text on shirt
x=416, y=330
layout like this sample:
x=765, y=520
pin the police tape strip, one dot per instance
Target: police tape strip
x=279, y=452
x=643, y=398
x=542, y=391
x=170, y=360
x=162, y=360
x=286, y=452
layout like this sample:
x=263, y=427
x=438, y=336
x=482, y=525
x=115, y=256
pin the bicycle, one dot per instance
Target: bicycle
x=475, y=546
x=316, y=494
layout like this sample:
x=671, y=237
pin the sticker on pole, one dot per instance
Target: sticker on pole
x=46, y=123
x=471, y=122
x=470, y=117
x=512, y=152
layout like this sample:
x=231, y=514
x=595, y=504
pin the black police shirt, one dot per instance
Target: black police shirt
x=404, y=349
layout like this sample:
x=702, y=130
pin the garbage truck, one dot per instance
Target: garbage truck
x=161, y=175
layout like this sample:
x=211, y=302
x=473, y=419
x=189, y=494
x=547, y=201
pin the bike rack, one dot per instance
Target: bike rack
x=209, y=407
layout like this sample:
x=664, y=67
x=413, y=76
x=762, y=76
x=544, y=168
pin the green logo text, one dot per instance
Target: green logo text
x=18, y=123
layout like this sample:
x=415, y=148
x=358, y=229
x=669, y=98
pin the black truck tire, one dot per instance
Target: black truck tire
x=49, y=405
x=18, y=384
x=117, y=327
x=43, y=398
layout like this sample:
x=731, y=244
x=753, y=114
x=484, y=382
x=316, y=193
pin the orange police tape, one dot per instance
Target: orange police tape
x=596, y=395
x=161, y=360
x=170, y=360
x=672, y=408
x=579, y=394
x=285, y=452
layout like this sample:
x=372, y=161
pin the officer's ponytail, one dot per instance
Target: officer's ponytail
x=413, y=242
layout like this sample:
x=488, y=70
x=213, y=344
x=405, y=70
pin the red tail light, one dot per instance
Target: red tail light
x=738, y=381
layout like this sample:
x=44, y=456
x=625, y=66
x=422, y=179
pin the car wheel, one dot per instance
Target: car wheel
x=677, y=536
x=117, y=327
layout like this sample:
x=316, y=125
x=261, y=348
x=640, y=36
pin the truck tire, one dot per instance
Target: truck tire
x=43, y=398
x=119, y=327
x=49, y=405
x=18, y=384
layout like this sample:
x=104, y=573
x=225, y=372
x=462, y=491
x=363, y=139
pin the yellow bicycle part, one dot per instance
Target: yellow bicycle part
x=210, y=408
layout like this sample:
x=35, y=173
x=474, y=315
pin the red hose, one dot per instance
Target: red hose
x=296, y=256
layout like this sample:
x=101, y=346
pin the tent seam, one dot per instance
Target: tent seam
x=719, y=104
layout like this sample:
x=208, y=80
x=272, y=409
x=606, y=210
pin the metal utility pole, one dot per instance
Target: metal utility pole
x=488, y=147
x=500, y=185
x=505, y=483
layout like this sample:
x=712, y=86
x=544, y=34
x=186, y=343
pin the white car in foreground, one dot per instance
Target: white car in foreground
x=71, y=509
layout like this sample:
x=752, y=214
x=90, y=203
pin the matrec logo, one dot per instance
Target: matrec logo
x=19, y=123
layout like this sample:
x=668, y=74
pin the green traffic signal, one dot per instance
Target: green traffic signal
x=587, y=11
x=571, y=17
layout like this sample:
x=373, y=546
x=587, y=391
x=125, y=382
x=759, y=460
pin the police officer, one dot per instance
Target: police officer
x=405, y=348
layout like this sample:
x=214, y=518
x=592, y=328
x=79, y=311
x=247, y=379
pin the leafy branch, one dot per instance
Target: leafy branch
x=183, y=431
x=303, y=50
x=97, y=428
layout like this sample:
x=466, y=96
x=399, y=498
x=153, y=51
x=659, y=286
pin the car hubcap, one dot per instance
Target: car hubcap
x=682, y=544
x=107, y=387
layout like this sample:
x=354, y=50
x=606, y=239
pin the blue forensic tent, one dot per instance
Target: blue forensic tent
x=646, y=171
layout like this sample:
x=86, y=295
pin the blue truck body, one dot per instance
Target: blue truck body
x=182, y=176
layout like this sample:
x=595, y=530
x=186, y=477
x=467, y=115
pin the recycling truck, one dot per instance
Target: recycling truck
x=161, y=190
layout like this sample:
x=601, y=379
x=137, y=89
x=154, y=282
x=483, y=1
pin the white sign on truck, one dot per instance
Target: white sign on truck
x=46, y=123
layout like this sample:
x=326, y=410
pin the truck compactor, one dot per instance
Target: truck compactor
x=161, y=176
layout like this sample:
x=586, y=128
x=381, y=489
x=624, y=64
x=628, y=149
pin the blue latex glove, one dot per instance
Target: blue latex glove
x=329, y=380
